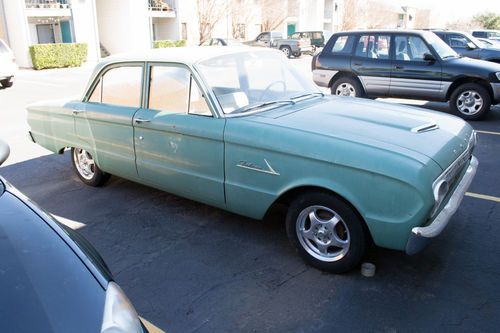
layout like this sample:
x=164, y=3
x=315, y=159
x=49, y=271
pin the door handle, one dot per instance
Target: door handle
x=399, y=67
x=358, y=64
x=141, y=120
x=76, y=111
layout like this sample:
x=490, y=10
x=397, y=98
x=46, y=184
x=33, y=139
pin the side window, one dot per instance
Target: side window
x=122, y=86
x=374, y=47
x=410, y=48
x=265, y=37
x=457, y=40
x=169, y=89
x=96, y=94
x=343, y=44
x=197, y=103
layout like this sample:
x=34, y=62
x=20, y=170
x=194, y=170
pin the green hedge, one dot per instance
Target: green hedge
x=58, y=55
x=158, y=44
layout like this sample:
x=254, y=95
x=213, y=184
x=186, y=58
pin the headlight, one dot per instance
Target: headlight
x=119, y=313
x=498, y=75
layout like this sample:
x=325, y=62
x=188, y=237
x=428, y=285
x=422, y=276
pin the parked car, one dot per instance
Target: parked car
x=488, y=34
x=221, y=42
x=468, y=46
x=275, y=39
x=317, y=38
x=240, y=129
x=51, y=278
x=489, y=43
x=8, y=66
x=406, y=64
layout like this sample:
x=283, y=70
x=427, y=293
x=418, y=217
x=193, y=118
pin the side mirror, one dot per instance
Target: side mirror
x=4, y=151
x=429, y=57
x=471, y=46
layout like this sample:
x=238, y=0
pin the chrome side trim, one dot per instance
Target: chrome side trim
x=322, y=77
x=258, y=168
x=425, y=127
x=421, y=235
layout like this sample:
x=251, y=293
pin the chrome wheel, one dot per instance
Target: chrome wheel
x=286, y=51
x=345, y=89
x=323, y=233
x=469, y=102
x=84, y=163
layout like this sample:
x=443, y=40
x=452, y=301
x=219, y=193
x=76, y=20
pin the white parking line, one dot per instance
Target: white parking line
x=488, y=132
x=482, y=196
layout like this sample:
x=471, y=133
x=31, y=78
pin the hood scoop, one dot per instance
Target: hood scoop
x=431, y=126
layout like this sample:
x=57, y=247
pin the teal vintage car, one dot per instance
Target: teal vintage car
x=241, y=130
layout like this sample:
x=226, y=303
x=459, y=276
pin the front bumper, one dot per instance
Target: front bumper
x=496, y=92
x=420, y=236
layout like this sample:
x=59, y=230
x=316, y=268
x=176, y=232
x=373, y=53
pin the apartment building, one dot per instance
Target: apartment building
x=116, y=26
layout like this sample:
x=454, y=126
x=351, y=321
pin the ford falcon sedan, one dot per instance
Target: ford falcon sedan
x=241, y=130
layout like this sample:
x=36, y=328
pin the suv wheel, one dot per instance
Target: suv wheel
x=347, y=86
x=287, y=51
x=470, y=101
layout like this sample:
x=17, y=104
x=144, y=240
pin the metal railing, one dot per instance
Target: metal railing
x=161, y=5
x=54, y=4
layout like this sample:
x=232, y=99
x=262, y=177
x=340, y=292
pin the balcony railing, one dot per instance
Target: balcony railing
x=161, y=5
x=53, y=4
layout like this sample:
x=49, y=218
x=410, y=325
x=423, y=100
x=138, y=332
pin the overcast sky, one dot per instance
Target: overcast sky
x=456, y=9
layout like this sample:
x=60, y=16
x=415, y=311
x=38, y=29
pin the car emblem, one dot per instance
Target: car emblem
x=255, y=167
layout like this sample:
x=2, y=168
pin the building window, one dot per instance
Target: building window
x=184, y=32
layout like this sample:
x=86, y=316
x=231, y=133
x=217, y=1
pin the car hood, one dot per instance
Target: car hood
x=407, y=130
x=474, y=64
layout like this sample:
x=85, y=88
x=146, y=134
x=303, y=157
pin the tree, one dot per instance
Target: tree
x=242, y=14
x=274, y=13
x=488, y=20
x=209, y=13
x=349, y=15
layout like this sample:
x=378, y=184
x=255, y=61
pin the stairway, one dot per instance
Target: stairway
x=104, y=53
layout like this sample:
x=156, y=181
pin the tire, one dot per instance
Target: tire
x=340, y=225
x=7, y=83
x=286, y=50
x=347, y=86
x=297, y=55
x=470, y=101
x=86, y=168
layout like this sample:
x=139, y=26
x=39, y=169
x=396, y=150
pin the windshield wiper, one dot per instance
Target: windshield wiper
x=308, y=95
x=261, y=105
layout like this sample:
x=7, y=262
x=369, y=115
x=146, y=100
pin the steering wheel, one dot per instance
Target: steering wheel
x=268, y=88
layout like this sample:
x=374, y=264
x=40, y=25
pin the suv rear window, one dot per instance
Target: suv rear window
x=343, y=44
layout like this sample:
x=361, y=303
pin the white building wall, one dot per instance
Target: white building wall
x=85, y=27
x=166, y=28
x=311, y=15
x=18, y=31
x=124, y=26
x=187, y=14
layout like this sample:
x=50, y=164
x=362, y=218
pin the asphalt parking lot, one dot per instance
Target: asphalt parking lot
x=188, y=267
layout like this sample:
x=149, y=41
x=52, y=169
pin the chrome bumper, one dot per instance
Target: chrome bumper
x=420, y=236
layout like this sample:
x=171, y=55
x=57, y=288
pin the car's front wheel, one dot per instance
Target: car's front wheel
x=87, y=169
x=7, y=83
x=347, y=86
x=326, y=232
x=470, y=101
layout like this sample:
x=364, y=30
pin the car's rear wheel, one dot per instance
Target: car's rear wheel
x=87, y=169
x=326, y=232
x=287, y=51
x=470, y=101
x=347, y=86
x=7, y=83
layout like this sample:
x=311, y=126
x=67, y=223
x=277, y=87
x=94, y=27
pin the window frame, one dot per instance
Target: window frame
x=98, y=78
x=193, y=77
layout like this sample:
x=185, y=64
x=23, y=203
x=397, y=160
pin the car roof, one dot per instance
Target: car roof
x=409, y=31
x=185, y=55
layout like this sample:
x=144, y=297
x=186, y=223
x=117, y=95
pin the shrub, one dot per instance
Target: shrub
x=159, y=44
x=58, y=55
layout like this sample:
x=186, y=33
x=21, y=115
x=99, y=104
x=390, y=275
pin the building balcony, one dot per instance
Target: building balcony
x=48, y=8
x=162, y=8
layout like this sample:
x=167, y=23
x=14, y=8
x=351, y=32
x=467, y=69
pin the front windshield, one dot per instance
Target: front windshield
x=245, y=80
x=442, y=49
